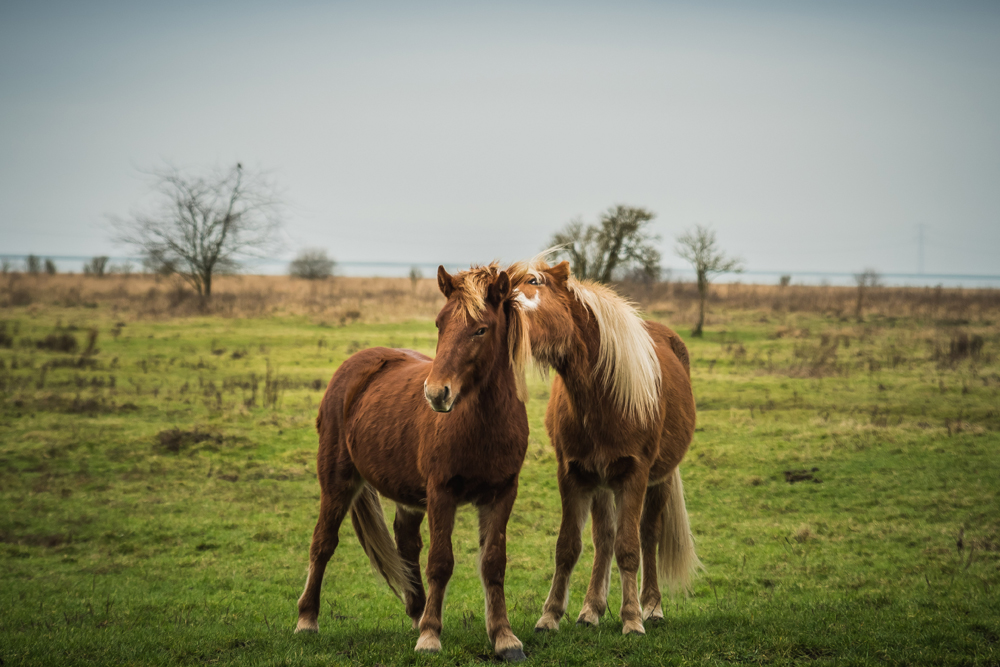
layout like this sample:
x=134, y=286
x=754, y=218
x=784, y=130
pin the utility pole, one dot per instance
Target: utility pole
x=920, y=249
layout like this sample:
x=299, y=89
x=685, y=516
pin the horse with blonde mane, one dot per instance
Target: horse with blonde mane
x=378, y=436
x=620, y=417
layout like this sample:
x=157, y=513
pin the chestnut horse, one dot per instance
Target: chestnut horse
x=377, y=435
x=620, y=417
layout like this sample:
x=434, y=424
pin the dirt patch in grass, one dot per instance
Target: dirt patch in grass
x=793, y=476
x=58, y=342
x=174, y=440
x=34, y=540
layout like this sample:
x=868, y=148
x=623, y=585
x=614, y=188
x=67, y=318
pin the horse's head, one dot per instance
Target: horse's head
x=480, y=331
x=545, y=298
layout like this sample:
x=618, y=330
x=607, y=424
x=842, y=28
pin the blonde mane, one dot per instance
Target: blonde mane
x=471, y=287
x=626, y=360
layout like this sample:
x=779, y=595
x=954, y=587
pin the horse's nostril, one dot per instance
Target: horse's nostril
x=447, y=390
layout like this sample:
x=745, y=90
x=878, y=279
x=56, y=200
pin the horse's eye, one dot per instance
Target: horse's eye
x=532, y=281
x=480, y=331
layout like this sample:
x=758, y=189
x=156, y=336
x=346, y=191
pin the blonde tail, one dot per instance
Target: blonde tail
x=373, y=533
x=676, y=560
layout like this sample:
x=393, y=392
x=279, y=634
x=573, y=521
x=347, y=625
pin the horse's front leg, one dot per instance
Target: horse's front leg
x=602, y=523
x=629, y=494
x=575, y=505
x=440, y=563
x=492, y=569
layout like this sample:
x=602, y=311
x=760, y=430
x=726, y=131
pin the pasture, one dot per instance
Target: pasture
x=157, y=482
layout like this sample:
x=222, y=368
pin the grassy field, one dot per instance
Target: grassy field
x=157, y=482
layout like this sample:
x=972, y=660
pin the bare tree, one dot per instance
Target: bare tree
x=50, y=267
x=698, y=246
x=618, y=244
x=312, y=264
x=204, y=224
x=866, y=279
x=97, y=266
x=415, y=276
x=33, y=265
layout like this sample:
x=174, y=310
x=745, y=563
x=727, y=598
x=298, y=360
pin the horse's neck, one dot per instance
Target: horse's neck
x=496, y=393
x=578, y=364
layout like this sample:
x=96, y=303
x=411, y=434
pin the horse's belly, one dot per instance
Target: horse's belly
x=385, y=454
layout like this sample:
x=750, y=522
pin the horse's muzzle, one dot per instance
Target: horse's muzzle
x=439, y=397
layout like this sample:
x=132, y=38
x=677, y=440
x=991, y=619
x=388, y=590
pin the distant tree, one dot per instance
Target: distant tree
x=312, y=264
x=785, y=280
x=33, y=265
x=124, y=269
x=865, y=280
x=204, y=224
x=415, y=275
x=5, y=266
x=619, y=244
x=698, y=246
x=97, y=266
x=50, y=267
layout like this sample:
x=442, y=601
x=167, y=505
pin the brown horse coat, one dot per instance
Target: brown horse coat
x=620, y=417
x=429, y=435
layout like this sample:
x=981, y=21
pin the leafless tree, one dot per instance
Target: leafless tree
x=415, y=276
x=204, y=224
x=619, y=244
x=50, y=267
x=699, y=247
x=33, y=265
x=865, y=280
x=312, y=264
x=97, y=266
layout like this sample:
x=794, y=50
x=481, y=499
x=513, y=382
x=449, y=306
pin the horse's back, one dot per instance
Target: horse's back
x=353, y=377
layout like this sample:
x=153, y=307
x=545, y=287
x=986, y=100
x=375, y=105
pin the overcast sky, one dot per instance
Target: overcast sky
x=810, y=137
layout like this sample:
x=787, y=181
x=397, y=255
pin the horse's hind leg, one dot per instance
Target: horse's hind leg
x=575, y=504
x=602, y=518
x=492, y=570
x=335, y=502
x=649, y=535
x=406, y=526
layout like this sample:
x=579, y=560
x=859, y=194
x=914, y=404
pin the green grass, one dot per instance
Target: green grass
x=117, y=549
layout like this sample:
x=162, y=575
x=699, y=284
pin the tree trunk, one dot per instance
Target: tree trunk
x=702, y=292
x=206, y=280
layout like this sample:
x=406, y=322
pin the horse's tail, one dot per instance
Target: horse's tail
x=373, y=533
x=676, y=560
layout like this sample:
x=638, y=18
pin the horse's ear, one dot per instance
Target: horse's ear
x=444, y=282
x=559, y=272
x=499, y=289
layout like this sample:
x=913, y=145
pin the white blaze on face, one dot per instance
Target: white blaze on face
x=529, y=304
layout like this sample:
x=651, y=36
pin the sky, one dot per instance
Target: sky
x=811, y=137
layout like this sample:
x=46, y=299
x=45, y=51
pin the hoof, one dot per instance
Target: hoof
x=428, y=643
x=630, y=627
x=653, y=613
x=514, y=654
x=306, y=626
x=655, y=620
x=588, y=617
x=547, y=623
